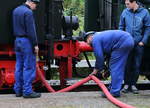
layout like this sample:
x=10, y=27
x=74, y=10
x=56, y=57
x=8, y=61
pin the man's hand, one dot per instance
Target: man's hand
x=94, y=72
x=141, y=44
x=36, y=50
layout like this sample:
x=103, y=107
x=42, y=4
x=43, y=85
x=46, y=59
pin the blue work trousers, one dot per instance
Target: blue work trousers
x=133, y=65
x=117, y=65
x=25, y=66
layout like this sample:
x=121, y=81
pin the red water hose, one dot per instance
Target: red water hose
x=108, y=95
x=75, y=85
x=100, y=84
x=42, y=78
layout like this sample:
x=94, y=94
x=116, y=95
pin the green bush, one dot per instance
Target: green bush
x=77, y=9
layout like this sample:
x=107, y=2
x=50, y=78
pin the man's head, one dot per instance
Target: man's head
x=131, y=4
x=32, y=3
x=88, y=37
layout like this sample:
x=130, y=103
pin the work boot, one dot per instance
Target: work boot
x=18, y=94
x=32, y=95
x=134, y=89
x=104, y=96
x=125, y=89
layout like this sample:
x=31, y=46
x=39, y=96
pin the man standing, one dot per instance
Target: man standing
x=135, y=20
x=26, y=48
x=117, y=44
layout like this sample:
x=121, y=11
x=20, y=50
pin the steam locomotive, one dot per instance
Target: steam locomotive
x=55, y=36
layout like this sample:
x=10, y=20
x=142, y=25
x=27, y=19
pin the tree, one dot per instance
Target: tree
x=77, y=9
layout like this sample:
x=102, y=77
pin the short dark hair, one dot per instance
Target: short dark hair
x=133, y=1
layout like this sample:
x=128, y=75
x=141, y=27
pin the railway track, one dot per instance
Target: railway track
x=89, y=86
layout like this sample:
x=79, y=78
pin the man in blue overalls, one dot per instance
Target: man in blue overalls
x=136, y=20
x=26, y=48
x=117, y=44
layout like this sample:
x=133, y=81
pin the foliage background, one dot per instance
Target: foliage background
x=77, y=8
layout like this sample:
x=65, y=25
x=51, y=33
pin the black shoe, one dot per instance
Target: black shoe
x=32, y=95
x=125, y=89
x=134, y=89
x=104, y=96
x=18, y=94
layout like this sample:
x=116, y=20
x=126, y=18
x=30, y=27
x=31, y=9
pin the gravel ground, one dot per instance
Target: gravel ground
x=74, y=100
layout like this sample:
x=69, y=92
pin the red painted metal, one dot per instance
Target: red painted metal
x=70, y=48
x=84, y=47
x=7, y=66
x=69, y=66
x=7, y=69
x=6, y=50
x=63, y=71
x=66, y=48
x=65, y=51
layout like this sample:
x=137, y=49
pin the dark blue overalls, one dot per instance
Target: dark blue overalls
x=26, y=39
x=117, y=44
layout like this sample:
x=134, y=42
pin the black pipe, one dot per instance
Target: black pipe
x=87, y=60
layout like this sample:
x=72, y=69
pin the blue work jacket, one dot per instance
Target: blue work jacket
x=106, y=42
x=137, y=23
x=24, y=24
